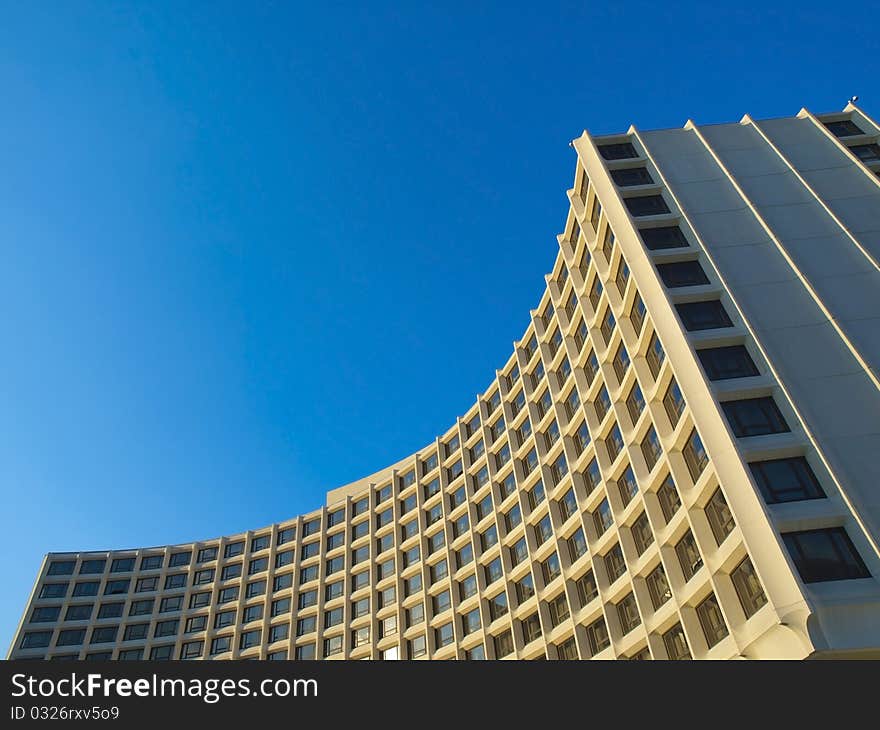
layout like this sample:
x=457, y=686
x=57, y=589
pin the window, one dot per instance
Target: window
x=536, y=495
x=607, y=326
x=698, y=316
x=429, y=464
x=655, y=355
x=230, y=572
x=178, y=580
x=144, y=607
x=360, y=607
x=360, y=637
x=84, y=612
x=712, y=620
x=688, y=555
x=668, y=497
x=525, y=588
x=417, y=647
x=230, y=551
x=586, y=588
x=90, y=588
x=100, y=635
x=577, y=545
x=620, y=362
x=866, y=152
x=558, y=608
x=467, y=587
x=843, y=128
x=305, y=652
x=507, y=486
x=635, y=402
x=488, y=537
x=543, y=530
x=126, y=565
x=628, y=613
x=695, y=455
x=658, y=587
x=629, y=176
x=602, y=517
x=36, y=639
x=285, y=535
x=195, y=624
x=464, y=556
x=334, y=590
x=676, y=644
x=460, y=526
x=786, y=480
x=167, y=628
x=627, y=486
x=54, y=590
x=582, y=438
x=550, y=569
x=168, y=605
x=409, y=529
x=161, y=653
x=682, y=273
x=748, y=587
x=663, y=237
x=484, y=507
x=227, y=595
x=284, y=558
x=360, y=580
x=673, y=403
x=311, y=527
x=754, y=417
x=619, y=151
x=724, y=363
x=615, y=565
x=614, y=443
x=456, y=498
x=50, y=613
x=646, y=205
x=337, y=540
x=824, y=555
x=201, y=577
x=135, y=632
x=306, y=625
x=333, y=645
x=567, y=505
x=438, y=571
x=621, y=277
x=719, y=516
x=359, y=530
x=602, y=404
x=493, y=571
x=597, y=636
x=61, y=567
x=498, y=606
x=131, y=655
x=388, y=626
x=192, y=650
x=385, y=570
x=286, y=580
x=503, y=644
x=470, y=622
x=444, y=635
x=384, y=518
x=91, y=567
x=384, y=543
x=75, y=637
x=651, y=449
x=637, y=313
x=415, y=614
x=531, y=628
x=641, y=533
x=117, y=587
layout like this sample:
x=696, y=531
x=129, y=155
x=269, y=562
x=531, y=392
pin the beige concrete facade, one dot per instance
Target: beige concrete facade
x=677, y=461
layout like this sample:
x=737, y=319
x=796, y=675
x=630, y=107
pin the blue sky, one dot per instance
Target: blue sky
x=253, y=251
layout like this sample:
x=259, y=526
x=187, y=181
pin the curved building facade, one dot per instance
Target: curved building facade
x=678, y=460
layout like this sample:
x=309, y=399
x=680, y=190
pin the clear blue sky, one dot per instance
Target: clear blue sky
x=253, y=251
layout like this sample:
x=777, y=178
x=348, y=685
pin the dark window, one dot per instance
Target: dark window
x=707, y=315
x=122, y=565
x=712, y=620
x=631, y=176
x=54, y=590
x=112, y=610
x=658, y=587
x=178, y=559
x=646, y=205
x=206, y=554
x=628, y=613
x=786, y=480
x=90, y=567
x=619, y=151
x=75, y=637
x=61, y=567
x=586, y=587
x=866, y=152
x=48, y=613
x=668, y=497
x=673, y=403
x=748, y=587
x=682, y=273
x=83, y=613
x=503, y=644
x=824, y=555
x=597, y=635
x=843, y=128
x=754, y=417
x=641, y=533
x=720, y=516
x=615, y=565
x=663, y=237
x=723, y=363
x=688, y=555
x=676, y=643
x=695, y=455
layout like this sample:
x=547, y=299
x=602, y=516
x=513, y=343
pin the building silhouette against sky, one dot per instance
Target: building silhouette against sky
x=678, y=460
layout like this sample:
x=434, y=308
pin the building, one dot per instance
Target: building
x=677, y=461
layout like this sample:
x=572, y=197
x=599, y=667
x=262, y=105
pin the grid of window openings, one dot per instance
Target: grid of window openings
x=573, y=513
